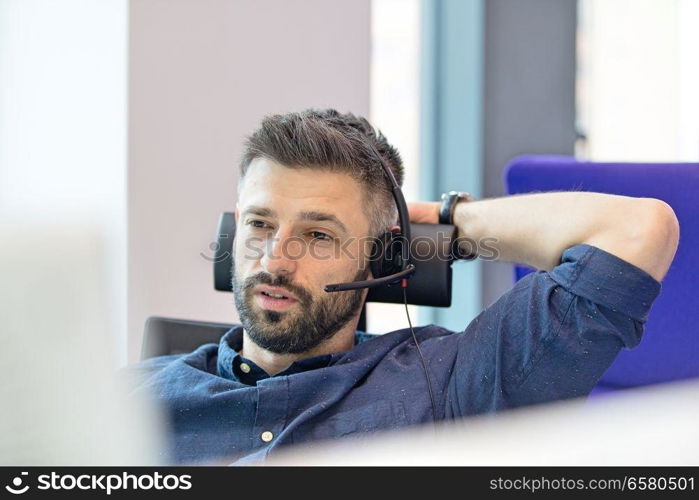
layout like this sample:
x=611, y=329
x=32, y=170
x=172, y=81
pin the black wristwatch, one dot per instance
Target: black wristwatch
x=449, y=201
x=446, y=216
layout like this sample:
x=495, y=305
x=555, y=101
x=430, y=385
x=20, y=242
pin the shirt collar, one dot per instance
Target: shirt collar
x=233, y=366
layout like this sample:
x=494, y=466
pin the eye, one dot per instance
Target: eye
x=256, y=223
x=318, y=235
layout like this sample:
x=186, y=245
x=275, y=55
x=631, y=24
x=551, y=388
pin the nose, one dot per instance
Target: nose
x=281, y=254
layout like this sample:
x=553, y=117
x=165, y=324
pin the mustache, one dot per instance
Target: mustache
x=263, y=278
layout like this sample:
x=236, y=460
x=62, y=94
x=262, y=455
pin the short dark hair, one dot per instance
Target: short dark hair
x=325, y=139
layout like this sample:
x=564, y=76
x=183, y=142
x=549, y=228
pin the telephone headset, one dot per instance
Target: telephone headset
x=390, y=256
x=390, y=263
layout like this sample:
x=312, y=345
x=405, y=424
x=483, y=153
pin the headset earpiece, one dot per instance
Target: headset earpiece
x=387, y=254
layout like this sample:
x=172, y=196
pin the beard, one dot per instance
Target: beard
x=312, y=321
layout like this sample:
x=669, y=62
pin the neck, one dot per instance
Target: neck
x=274, y=363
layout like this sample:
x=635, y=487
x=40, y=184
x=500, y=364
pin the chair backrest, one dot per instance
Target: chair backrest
x=670, y=347
x=163, y=336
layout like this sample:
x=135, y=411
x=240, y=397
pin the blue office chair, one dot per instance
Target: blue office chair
x=669, y=350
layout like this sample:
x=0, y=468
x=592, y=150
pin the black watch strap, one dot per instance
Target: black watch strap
x=449, y=201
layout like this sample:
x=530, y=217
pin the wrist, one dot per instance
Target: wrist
x=448, y=205
x=453, y=204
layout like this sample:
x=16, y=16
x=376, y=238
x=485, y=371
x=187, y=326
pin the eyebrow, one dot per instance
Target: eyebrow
x=323, y=217
x=310, y=215
x=262, y=212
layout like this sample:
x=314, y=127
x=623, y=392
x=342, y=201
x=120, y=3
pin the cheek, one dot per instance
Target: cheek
x=355, y=254
x=295, y=249
x=247, y=252
x=321, y=272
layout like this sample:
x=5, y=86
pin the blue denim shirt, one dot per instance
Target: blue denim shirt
x=550, y=337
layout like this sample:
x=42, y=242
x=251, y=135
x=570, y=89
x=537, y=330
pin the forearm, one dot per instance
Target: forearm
x=535, y=229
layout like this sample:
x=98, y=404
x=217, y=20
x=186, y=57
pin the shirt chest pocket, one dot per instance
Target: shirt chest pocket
x=378, y=415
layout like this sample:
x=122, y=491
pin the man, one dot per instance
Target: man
x=297, y=370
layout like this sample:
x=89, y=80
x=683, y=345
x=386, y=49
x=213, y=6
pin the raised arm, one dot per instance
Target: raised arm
x=555, y=333
x=535, y=229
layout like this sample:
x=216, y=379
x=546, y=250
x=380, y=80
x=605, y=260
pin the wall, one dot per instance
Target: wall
x=201, y=76
x=529, y=96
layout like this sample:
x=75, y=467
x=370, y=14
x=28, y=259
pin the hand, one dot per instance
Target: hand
x=424, y=212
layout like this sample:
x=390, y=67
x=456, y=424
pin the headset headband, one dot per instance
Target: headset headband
x=407, y=269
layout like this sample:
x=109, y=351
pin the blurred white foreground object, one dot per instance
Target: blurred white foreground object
x=650, y=426
x=61, y=401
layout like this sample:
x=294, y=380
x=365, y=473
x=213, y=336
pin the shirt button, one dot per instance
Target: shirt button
x=266, y=436
x=244, y=367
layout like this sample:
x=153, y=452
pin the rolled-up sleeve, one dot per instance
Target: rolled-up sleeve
x=553, y=335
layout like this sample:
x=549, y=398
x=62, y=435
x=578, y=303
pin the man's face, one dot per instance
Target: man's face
x=297, y=231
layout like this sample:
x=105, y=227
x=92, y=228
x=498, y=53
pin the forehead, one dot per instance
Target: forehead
x=289, y=191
